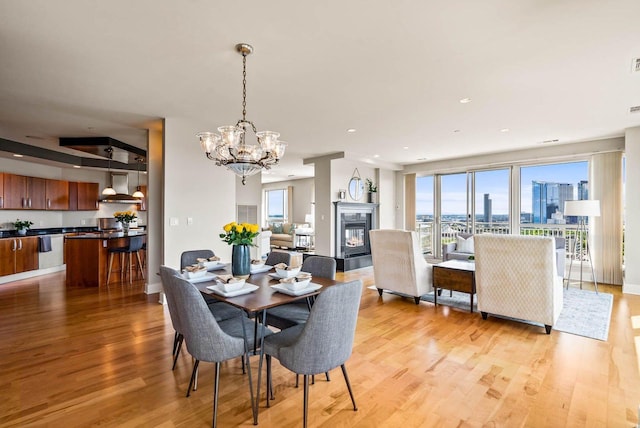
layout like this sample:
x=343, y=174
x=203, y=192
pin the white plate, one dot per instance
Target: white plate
x=206, y=277
x=312, y=287
x=248, y=288
x=276, y=276
x=260, y=268
x=215, y=265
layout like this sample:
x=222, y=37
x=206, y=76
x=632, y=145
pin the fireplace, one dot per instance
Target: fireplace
x=353, y=223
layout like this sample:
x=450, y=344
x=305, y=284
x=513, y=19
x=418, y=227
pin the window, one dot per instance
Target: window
x=276, y=205
x=545, y=188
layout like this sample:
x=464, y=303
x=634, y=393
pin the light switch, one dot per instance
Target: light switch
x=173, y=221
x=189, y=221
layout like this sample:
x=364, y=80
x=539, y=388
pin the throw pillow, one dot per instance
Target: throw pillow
x=276, y=228
x=292, y=231
x=465, y=245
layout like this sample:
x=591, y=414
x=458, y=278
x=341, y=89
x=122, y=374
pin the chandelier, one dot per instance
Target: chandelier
x=230, y=148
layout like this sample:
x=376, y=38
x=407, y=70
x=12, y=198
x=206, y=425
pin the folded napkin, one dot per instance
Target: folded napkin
x=283, y=266
x=210, y=259
x=303, y=275
x=194, y=268
x=228, y=279
x=290, y=280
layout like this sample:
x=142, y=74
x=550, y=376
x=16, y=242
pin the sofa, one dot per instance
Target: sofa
x=516, y=277
x=283, y=235
x=463, y=248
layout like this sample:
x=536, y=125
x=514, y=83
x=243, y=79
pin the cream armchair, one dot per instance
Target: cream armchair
x=398, y=263
x=516, y=276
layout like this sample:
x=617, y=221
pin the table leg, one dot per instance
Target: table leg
x=435, y=296
x=264, y=323
x=471, y=308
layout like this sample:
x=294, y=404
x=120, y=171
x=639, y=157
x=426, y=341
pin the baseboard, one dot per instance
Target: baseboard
x=151, y=288
x=31, y=274
x=630, y=288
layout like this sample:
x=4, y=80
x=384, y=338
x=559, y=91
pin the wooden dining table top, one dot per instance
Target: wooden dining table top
x=265, y=296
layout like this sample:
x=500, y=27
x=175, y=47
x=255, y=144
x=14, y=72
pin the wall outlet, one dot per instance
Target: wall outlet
x=173, y=221
x=83, y=222
x=189, y=221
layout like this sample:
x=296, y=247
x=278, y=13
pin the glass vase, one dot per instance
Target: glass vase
x=125, y=227
x=241, y=261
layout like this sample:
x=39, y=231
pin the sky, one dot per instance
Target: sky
x=496, y=183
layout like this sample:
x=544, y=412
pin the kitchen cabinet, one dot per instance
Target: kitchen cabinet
x=57, y=194
x=1, y=189
x=18, y=254
x=83, y=196
x=24, y=193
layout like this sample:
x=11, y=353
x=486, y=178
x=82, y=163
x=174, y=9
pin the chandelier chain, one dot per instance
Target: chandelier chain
x=244, y=86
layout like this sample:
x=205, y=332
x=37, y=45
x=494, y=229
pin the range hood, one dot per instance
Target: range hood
x=120, y=183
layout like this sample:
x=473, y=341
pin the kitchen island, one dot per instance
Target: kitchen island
x=87, y=255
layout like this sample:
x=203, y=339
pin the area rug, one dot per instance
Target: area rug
x=584, y=313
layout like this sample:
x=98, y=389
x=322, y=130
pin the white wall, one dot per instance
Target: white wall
x=195, y=188
x=631, y=281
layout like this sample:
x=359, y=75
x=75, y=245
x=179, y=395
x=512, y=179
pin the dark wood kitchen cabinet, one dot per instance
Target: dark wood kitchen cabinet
x=19, y=254
x=1, y=189
x=83, y=196
x=24, y=193
x=57, y=194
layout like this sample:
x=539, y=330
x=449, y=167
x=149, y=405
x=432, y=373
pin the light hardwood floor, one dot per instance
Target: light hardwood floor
x=85, y=357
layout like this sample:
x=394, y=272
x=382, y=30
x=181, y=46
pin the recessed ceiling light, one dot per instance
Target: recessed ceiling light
x=76, y=166
x=456, y=130
x=504, y=130
x=351, y=130
x=291, y=175
x=376, y=156
x=16, y=155
x=422, y=159
x=555, y=140
x=34, y=137
x=465, y=100
x=406, y=148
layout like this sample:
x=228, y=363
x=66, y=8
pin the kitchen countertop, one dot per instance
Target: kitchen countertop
x=106, y=234
x=64, y=230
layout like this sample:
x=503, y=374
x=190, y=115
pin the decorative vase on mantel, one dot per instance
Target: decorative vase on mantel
x=241, y=261
x=372, y=197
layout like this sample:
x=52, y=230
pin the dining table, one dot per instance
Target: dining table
x=257, y=302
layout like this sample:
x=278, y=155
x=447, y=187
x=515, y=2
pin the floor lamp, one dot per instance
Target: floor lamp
x=583, y=210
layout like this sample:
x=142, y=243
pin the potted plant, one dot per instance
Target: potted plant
x=21, y=226
x=241, y=237
x=371, y=189
x=125, y=217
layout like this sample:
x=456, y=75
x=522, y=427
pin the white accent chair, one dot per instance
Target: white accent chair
x=398, y=263
x=516, y=277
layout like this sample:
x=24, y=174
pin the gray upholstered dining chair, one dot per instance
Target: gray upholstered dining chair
x=295, y=313
x=323, y=343
x=209, y=340
x=291, y=314
x=188, y=258
x=223, y=311
x=275, y=257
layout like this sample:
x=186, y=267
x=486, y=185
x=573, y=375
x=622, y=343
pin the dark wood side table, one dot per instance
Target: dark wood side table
x=455, y=275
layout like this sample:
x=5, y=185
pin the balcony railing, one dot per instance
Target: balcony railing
x=450, y=230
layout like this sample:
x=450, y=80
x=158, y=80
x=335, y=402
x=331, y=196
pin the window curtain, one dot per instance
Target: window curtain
x=410, y=202
x=606, y=231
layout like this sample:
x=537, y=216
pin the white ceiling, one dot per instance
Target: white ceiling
x=394, y=71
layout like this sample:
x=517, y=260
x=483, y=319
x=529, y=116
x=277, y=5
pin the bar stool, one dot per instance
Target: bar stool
x=135, y=245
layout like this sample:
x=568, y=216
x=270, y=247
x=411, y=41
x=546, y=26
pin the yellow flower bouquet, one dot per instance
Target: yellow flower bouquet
x=125, y=217
x=239, y=234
